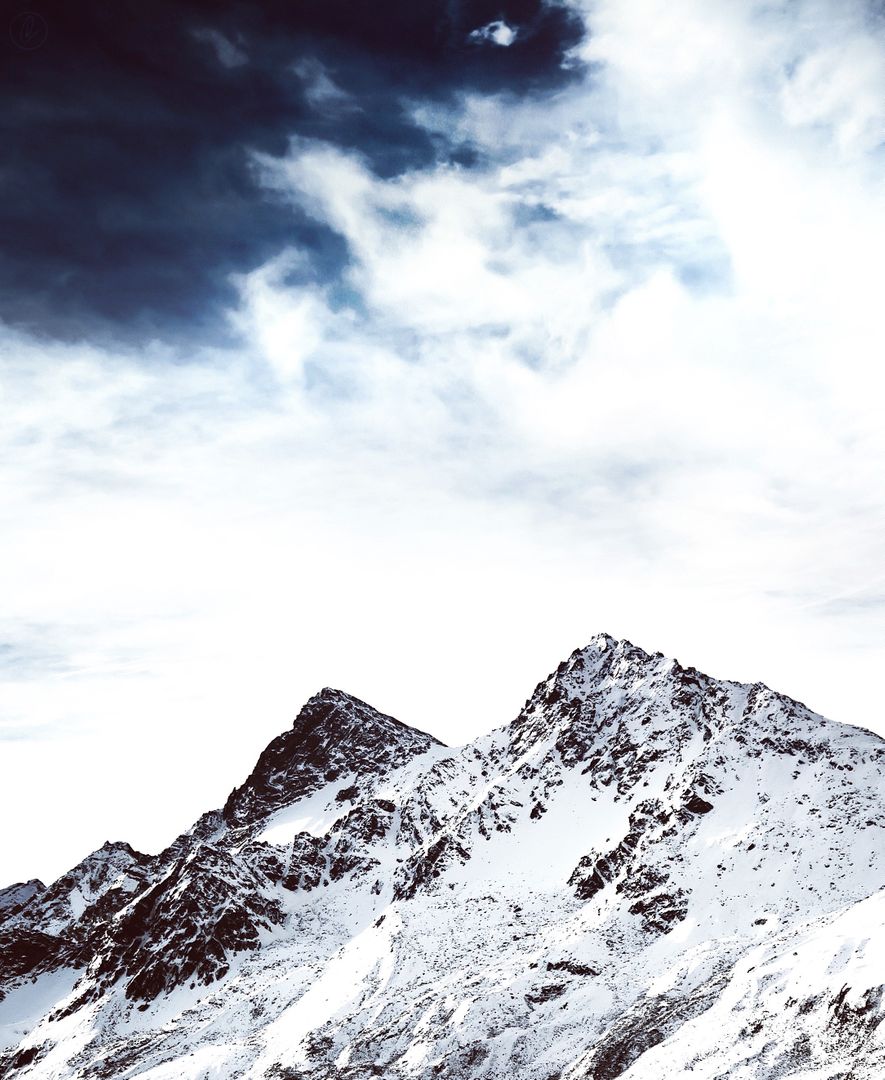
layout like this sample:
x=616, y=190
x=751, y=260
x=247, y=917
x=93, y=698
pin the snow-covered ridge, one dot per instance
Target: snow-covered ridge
x=577, y=894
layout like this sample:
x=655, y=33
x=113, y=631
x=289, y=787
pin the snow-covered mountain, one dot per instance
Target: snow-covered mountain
x=649, y=874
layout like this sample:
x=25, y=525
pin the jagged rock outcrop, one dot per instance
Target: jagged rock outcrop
x=14, y=897
x=334, y=735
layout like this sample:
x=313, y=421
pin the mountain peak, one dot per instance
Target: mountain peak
x=332, y=695
x=604, y=650
x=334, y=734
x=14, y=897
x=120, y=847
x=602, y=642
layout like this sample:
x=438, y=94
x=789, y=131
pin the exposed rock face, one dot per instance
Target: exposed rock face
x=333, y=735
x=184, y=928
x=650, y=873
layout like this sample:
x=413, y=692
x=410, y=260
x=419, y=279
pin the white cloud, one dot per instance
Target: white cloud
x=497, y=32
x=626, y=375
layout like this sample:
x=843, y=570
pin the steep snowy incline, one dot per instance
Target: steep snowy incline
x=645, y=850
x=808, y=1002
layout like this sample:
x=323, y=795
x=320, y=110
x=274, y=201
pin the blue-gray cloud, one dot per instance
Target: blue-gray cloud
x=127, y=193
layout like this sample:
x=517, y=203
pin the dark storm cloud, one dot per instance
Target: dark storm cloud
x=127, y=193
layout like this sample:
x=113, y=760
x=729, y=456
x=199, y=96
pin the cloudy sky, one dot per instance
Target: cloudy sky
x=402, y=348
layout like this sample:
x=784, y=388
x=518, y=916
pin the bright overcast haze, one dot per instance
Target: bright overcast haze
x=404, y=355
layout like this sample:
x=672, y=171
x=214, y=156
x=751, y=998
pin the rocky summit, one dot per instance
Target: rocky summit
x=648, y=874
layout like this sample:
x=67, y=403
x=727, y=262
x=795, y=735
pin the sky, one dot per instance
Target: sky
x=405, y=347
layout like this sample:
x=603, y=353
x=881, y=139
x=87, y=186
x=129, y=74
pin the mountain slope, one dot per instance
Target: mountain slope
x=649, y=872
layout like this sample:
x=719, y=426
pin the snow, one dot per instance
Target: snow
x=22, y=1008
x=315, y=814
x=842, y=954
x=77, y=902
x=338, y=986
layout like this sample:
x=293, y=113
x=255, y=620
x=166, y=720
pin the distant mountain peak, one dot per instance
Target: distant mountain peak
x=331, y=696
x=334, y=734
x=120, y=847
x=14, y=897
x=603, y=652
x=350, y=717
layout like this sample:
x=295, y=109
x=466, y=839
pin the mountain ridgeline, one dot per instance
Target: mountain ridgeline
x=648, y=874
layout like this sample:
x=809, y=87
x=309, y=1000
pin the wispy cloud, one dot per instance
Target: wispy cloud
x=229, y=54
